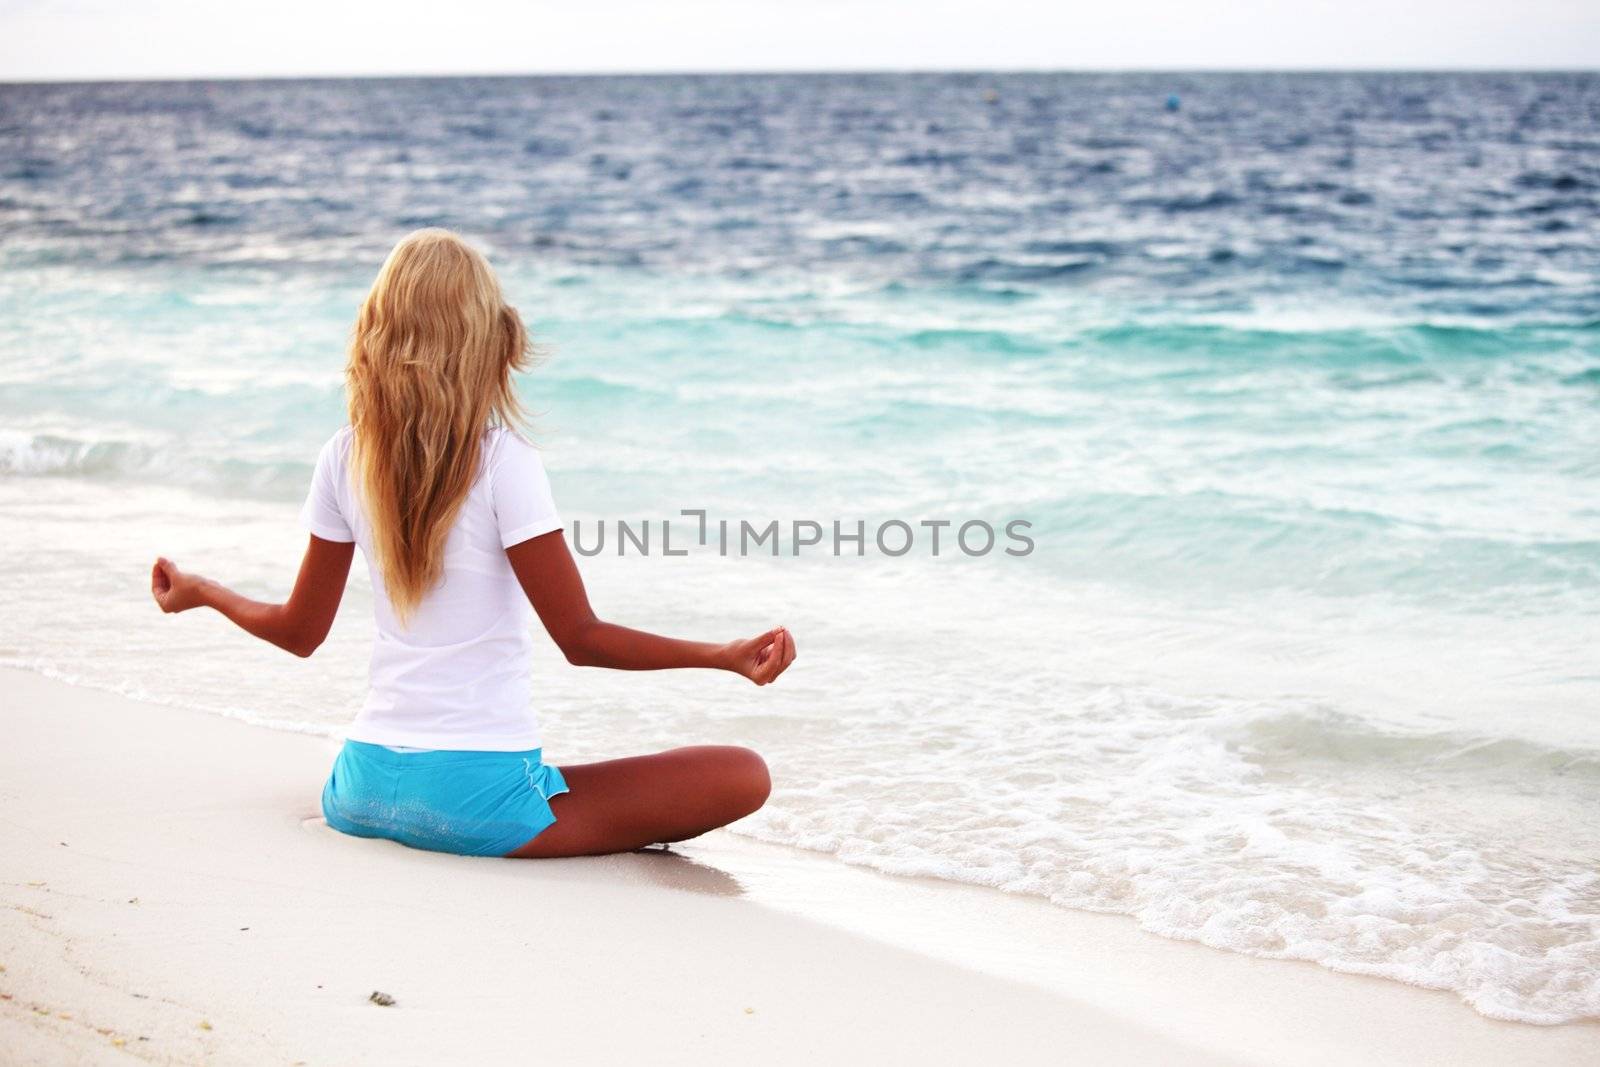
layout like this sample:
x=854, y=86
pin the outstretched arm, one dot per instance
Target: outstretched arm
x=550, y=577
x=298, y=625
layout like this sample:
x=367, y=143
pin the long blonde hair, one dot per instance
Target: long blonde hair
x=430, y=368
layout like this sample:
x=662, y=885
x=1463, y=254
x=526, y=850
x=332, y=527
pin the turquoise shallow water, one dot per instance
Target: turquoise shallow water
x=1325, y=449
x=1299, y=390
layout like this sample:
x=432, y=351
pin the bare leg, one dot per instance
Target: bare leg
x=625, y=804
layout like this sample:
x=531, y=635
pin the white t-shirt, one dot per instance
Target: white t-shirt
x=456, y=676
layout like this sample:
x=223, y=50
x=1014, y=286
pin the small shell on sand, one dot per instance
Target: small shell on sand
x=383, y=1000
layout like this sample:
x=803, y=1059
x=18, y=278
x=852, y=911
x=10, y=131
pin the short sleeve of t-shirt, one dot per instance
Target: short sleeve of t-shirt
x=523, y=506
x=321, y=514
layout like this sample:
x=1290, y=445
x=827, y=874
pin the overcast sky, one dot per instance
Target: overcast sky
x=215, y=38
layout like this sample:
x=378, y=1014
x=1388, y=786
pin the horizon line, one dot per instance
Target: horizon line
x=117, y=79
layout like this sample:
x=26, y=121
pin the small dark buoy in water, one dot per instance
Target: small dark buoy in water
x=1173, y=103
x=991, y=97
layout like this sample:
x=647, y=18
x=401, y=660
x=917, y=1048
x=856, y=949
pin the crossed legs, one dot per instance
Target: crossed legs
x=625, y=804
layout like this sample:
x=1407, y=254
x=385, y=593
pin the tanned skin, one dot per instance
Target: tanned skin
x=614, y=806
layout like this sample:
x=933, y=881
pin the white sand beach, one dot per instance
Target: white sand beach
x=171, y=896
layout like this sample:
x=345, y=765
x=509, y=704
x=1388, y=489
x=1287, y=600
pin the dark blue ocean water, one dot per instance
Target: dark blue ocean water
x=1299, y=385
x=1437, y=194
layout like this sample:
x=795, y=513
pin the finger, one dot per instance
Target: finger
x=788, y=656
x=771, y=665
x=763, y=672
x=780, y=656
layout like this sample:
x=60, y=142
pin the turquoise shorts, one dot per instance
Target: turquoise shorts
x=468, y=803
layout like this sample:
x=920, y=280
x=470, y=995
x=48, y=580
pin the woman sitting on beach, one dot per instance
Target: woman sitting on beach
x=452, y=510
